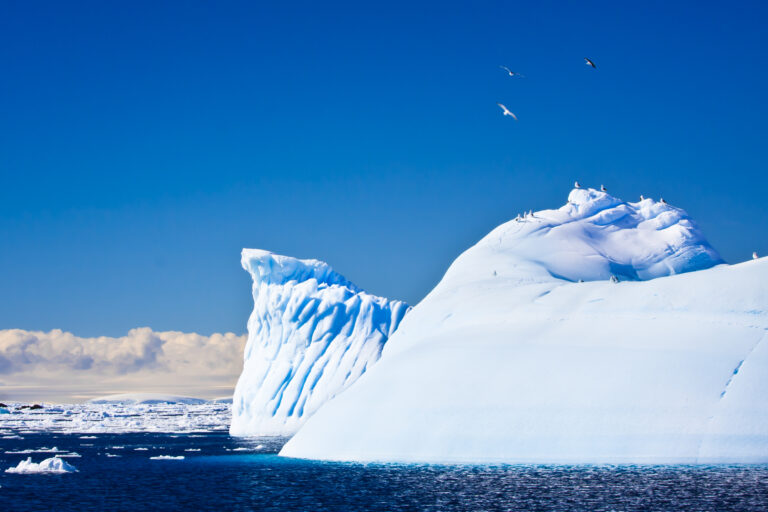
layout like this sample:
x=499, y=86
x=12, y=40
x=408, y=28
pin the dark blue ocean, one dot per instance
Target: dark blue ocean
x=232, y=474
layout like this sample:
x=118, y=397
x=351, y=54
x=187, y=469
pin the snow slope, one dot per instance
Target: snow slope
x=512, y=359
x=312, y=333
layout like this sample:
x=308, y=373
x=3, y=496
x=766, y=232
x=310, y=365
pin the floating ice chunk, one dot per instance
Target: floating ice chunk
x=36, y=450
x=52, y=465
x=167, y=457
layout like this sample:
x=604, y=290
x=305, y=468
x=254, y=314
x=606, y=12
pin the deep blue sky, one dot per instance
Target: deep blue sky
x=143, y=144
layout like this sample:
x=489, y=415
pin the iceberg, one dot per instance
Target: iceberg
x=600, y=332
x=146, y=398
x=51, y=465
x=312, y=334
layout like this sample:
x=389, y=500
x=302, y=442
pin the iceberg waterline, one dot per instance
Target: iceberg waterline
x=312, y=333
x=512, y=359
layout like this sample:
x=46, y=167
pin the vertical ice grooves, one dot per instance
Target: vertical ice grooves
x=312, y=333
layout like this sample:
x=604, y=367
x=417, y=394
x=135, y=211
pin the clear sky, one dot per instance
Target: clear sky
x=143, y=144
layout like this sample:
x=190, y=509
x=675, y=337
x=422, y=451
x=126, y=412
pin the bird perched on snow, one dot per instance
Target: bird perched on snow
x=754, y=255
x=590, y=63
x=603, y=189
x=576, y=184
x=507, y=112
x=642, y=198
x=662, y=201
x=511, y=73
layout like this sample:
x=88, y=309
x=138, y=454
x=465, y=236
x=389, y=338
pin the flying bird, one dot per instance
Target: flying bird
x=511, y=73
x=590, y=63
x=507, y=112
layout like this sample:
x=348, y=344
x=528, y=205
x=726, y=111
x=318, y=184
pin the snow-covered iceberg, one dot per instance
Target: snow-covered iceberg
x=512, y=359
x=51, y=465
x=312, y=333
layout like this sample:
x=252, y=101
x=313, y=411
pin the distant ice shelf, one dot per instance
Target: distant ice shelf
x=660, y=355
x=312, y=334
x=114, y=417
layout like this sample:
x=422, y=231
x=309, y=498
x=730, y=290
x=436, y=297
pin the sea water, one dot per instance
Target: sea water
x=218, y=472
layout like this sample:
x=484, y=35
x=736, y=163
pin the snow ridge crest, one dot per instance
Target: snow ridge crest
x=595, y=236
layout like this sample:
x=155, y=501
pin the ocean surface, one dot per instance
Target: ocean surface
x=218, y=472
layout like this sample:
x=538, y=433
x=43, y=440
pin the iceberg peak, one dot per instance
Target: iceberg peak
x=312, y=334
x=270, y=268
x=592, y=237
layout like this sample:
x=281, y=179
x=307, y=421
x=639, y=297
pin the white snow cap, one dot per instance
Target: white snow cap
x=312, y=333
x=595, y=236
x=532, y=366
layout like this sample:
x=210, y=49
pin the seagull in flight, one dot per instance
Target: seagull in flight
x=507, y=112
x=590, y=63
x=511, y=73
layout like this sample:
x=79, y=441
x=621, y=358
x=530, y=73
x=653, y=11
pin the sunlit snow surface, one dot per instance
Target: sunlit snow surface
x=312, y=333
x=96, y=418
x=512, y=359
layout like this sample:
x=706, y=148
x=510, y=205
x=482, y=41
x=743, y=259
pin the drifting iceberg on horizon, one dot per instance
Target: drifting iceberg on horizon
x=512, y=359
x=312, y=333
x=147, y=399
x=51, y=465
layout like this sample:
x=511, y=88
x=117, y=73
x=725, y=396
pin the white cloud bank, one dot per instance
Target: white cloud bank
x=58, y=366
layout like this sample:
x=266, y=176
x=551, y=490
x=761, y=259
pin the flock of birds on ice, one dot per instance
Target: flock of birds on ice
x=507, y=112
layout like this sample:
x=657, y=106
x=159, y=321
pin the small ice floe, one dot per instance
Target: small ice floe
x=12, y=437
x=52, y=465
x=37, y=450
x=247, y=448
x=140, y=449
x=73, y=454
x=192, y=449
x=117, y=448
x=112, y=455
x=88, y=437
x=167, y=457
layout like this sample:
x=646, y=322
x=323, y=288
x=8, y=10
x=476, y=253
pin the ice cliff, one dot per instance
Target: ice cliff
x=512, y=359
x=312, y=333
